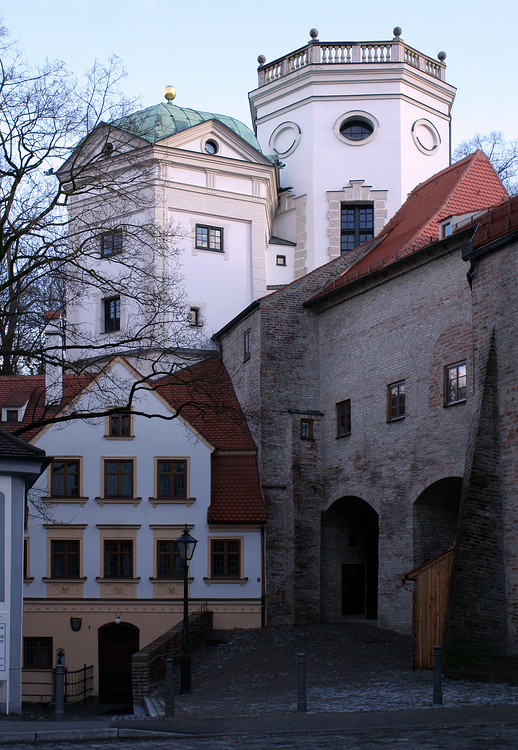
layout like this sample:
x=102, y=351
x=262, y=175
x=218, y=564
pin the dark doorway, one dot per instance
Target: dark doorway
x=436, y=512
x=353, y=589
x=349, y=560
x=117, y=643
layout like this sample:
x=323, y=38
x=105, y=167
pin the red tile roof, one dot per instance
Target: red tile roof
x=493, y=223
x=235, y=496
x=468, y=185
x=17, y=390
x=204, y=395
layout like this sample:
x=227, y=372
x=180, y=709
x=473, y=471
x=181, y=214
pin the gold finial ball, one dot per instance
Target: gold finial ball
x=170, y=93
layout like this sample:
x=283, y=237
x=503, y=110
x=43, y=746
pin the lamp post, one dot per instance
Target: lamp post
x=185, y=546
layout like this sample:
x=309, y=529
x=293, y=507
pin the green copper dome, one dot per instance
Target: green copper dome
x=158, y=122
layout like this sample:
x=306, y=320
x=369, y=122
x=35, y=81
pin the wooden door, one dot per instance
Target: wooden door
x=117, y=644
x=353, y=589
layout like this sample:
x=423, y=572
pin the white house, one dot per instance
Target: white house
x=20, y=466
x=118, y=492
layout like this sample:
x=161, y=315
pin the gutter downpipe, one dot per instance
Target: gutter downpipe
x=414, y=635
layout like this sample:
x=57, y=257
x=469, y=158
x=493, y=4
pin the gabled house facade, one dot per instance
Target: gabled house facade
x=102, y=578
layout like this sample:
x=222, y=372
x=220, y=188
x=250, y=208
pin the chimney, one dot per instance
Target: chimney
x=54, y=351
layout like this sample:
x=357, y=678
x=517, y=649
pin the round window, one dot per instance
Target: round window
x=356, y=130
x=211, y=147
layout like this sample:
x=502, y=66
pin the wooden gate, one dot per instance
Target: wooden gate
x=432, y=587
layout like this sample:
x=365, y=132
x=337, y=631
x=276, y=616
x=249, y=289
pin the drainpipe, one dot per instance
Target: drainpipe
x=414, y=638
x=263, y=587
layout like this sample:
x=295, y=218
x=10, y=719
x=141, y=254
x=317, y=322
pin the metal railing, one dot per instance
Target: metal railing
x=39, y=685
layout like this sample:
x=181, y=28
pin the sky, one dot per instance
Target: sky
x=208, y=51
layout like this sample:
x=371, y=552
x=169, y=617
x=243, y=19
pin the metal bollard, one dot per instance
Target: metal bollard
x=59, y=713
x=302, y=705
x=169, y=696
x=437, y=677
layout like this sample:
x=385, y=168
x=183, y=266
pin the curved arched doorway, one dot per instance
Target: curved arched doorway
x=349, y=560
x=436, y=512
x=117, y=643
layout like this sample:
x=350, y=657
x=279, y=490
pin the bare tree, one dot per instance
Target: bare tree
x=81, y=226
x=502, y=153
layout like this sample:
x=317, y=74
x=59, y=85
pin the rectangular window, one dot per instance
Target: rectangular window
x=356, y=226
x=209, y=238
x=172, y=479
x=111, y=243
x=455, y=383
x=65, y=478
x=12, y=415
x=194, y=317
x=281, y=260
x=37, y=653
x=120, y=424
x=112, y=314
x=64, y=559
x=396, y=401
x=343, y=418
x=118, y=558
x=246, y=346
x=118, y=478
x=306, y=429
x=169, y=562
x=225, y=558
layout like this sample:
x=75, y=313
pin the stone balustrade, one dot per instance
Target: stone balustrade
x=349, y=53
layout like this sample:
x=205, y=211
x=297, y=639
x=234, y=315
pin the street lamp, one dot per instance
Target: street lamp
x=185, y=546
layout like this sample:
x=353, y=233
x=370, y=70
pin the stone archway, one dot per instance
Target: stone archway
x=117, y=643
x=435, y=516
x=349, y=560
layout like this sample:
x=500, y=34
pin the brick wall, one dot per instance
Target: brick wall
x=148, y=664
x=407, y=323
x=476, y=626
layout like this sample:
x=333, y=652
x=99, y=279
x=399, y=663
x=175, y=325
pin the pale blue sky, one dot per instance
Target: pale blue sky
x=209, y=50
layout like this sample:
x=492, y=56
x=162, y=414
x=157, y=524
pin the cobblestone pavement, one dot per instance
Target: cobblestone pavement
x=351, y=666
x=443, y=738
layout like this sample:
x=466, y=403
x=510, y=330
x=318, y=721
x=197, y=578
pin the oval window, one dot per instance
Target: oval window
x=356, y=130
x=211, y=147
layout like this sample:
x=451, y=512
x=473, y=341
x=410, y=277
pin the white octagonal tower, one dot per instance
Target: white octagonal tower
x=356, y=125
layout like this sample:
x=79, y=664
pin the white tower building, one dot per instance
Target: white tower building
x=357, y=125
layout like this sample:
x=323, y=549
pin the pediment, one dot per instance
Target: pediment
x=229, y=144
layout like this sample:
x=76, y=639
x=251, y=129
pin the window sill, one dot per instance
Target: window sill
x=396, y=419
x=210, y=581
x=29, y=580
x=209, y=249
x=173, y=579
x=345, y=434
x=245, y=359
x=171, y=501
x=117, y=580
x=73, y=500
x=119, y=437
x=455, y=403
x=118, y=501
x=64, y=580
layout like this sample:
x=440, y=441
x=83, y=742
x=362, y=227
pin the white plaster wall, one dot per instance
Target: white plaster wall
x=152, y=437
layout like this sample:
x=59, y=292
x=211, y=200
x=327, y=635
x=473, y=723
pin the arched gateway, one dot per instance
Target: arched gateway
x=349, y=560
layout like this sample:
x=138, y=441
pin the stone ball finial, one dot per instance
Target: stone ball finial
x=442, y=56
x=397, y=31
x=170, y=93
x=313, y=33
x=261, y=59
